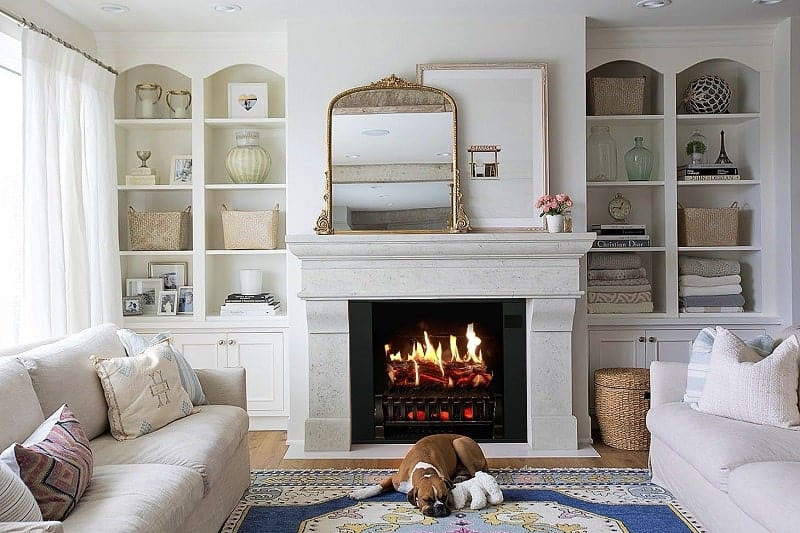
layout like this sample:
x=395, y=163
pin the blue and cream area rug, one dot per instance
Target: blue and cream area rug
x=537, y=500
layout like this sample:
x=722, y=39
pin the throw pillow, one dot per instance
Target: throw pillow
x=744, y=386
x=17, y=504
x=701, y=354
x=55, y=463
x=136, y=344
x=143, y=392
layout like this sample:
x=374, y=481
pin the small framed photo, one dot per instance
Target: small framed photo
x=186, y=300
x=173, y=275
x=247, y=100
x=132, y=306
x=167, y=303
x=146, y=288
x=180, y=173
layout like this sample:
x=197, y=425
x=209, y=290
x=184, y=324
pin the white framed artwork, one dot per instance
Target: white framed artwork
x=502, y=107
x=147, y=288
x=171, y=275
x=180, y=172
x=186, y=300
x=247, y=100
x=167, y=303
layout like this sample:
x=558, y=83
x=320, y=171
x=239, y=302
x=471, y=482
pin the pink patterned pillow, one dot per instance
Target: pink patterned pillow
x=55, y=462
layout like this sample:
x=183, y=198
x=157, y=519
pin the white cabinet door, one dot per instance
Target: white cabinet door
x=676, y=345
x=261, y=355
x=618, y=348
x=202, y=350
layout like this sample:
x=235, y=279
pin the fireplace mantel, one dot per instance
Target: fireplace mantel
x=542, y=268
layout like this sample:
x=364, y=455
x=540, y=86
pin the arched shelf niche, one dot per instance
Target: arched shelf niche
x=216, y=89
x=654, y=83
x=125, y=90
x=744, y=81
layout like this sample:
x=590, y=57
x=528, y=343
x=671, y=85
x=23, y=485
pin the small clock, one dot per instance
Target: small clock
x=619, y=208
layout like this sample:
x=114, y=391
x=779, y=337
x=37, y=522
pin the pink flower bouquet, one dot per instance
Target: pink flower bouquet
x=554, y=204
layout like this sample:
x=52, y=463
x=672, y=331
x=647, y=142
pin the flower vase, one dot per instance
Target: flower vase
x=555, y=223
x=247, y=162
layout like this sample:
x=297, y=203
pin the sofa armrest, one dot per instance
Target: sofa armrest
x=31, y=527
x=226, y=386
x=667, y=382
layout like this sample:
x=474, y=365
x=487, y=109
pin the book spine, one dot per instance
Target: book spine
x=624, y=238
x=619, y=226
x=735, y=177
x=710, y=172
x=603, y=243
x=612, y=232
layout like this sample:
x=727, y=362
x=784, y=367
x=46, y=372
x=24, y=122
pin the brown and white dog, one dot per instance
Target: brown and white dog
x=427, y=472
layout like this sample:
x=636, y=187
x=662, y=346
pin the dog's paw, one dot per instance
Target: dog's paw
x=366, y=492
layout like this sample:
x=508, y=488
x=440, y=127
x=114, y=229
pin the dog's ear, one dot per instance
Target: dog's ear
x=412, y=496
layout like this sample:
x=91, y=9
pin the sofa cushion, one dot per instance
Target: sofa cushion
x=62, y=373
x=16, y=390
x=136, y=498
x=202, y=442
x=768, y=493
x=714, y=445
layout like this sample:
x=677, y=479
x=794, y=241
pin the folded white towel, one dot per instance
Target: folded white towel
x=620, y=288
x=702, y=281
x=641, y=307
x=713, y=309
x=719, y=290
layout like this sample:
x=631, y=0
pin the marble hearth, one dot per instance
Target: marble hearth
x=542, y=268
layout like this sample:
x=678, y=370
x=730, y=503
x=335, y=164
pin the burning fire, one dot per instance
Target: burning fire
x=425, y=364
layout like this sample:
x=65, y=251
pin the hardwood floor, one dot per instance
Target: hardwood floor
x=268, y=447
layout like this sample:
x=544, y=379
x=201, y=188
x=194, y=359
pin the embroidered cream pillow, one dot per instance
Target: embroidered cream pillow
x=143, y=392
x=744, y=386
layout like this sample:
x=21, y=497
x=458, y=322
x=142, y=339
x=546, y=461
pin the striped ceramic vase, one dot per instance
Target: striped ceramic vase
x=247, y=162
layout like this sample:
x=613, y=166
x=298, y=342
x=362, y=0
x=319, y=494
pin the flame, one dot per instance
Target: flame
x=473, y=341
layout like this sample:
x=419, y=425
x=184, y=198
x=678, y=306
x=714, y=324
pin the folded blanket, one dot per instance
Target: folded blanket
x=709, y=309
x=618, y=282
x=710, y=291
x=708, y=267
x=619, y=297
x=618, y=273
x=643, y=307
x=729, y=300
x=621, y=288
x=692, y=280
x=614, y=261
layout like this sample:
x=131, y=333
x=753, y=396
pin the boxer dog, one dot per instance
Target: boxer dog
x=427, y=472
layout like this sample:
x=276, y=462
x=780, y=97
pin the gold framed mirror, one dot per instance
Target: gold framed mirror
x=392, y=162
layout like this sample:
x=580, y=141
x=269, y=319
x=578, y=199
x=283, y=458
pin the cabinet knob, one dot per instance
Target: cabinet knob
x=231, y=342
x=221, y=342
x=641, y=339
x=651, y=339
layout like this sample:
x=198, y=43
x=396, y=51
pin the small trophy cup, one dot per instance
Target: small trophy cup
x=141, y=175
x=143, y=156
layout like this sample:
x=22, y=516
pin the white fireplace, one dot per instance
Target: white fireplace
x=542, y=268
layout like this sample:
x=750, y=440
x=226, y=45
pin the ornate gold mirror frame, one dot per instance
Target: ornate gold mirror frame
x=457, y=222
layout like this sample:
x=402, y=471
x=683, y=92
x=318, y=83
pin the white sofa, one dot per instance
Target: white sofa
x=733, y=476
x=185, y=477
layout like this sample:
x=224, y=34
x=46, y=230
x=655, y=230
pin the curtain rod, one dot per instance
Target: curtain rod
x=25, y=23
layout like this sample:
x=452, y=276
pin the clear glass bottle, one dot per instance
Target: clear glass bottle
x=639, y=161
x=696, y=149
x=601, y=155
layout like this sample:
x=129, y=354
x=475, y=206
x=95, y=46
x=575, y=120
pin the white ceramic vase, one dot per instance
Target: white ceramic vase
x=250, y=281
x=247, y=162
x=555, y=223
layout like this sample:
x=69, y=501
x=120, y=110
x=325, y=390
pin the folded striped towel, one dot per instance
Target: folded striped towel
x=728, y=300
x=709, y=309
x=617, y=282
x=618, y=273
x=619, y=297
x=719, y=290
x=692, y=280
x=620, y=288
x=614, y=261
x=625, y=309
x=708, y=267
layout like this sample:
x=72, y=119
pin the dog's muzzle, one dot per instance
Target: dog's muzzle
x=438, y=510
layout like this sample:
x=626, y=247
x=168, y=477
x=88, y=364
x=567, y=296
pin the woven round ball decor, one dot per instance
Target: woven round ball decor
x=707, y=94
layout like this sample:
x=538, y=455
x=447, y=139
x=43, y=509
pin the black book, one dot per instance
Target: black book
x=626, y=243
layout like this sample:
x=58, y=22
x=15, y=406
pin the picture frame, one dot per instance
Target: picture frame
x=148, y=289
x=167, y=303
x=186, y=300
x=132, y=306
x=180, y=171
x=172, y=274
x=497, y=101
x=248, y=100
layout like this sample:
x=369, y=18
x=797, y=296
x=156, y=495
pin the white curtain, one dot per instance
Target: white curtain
x=71, y=270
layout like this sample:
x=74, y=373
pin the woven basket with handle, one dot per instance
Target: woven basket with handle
x=621, y=401
x=617, y=96
x=250, y=230
x=708, y=226
x=160, y=230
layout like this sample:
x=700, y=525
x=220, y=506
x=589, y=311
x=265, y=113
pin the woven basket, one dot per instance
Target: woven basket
x=622, y=398
x=708, y=226
x=250, y=230
x=160, y=231
x=617, y=96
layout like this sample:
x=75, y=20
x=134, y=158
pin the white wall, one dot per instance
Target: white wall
x=44, y=15
x=329, y=55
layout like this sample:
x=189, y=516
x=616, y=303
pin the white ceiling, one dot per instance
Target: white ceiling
x=271, y=15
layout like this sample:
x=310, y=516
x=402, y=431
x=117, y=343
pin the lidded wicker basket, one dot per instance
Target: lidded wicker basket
x=160, y=230
x=708, y=226
x=250, y=230
x=622, y=399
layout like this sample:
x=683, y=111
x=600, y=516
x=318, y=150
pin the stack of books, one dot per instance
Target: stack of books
x=711, y=172
x=250, y=305
x=621, y=236
x=141, y=176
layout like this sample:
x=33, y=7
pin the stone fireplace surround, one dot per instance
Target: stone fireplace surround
x=542, y=268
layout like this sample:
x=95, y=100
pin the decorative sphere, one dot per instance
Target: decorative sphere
x=707, y=94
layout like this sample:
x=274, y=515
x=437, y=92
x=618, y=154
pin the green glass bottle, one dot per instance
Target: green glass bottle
x=639, y=161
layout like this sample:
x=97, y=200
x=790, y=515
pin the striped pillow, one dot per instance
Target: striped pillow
x=701, y=356
x=17, y=504
x=136, y=344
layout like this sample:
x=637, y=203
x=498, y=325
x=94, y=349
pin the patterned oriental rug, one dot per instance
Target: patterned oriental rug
x=537, y=500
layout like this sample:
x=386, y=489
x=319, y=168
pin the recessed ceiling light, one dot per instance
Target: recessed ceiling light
x=351, y=156
x=766, y=2
x=114, y=8
x=653, y=4
x=442, y=154
x=227, y=8
x=375, y=132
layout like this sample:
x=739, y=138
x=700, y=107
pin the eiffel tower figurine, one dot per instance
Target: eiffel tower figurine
x=722, y=158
